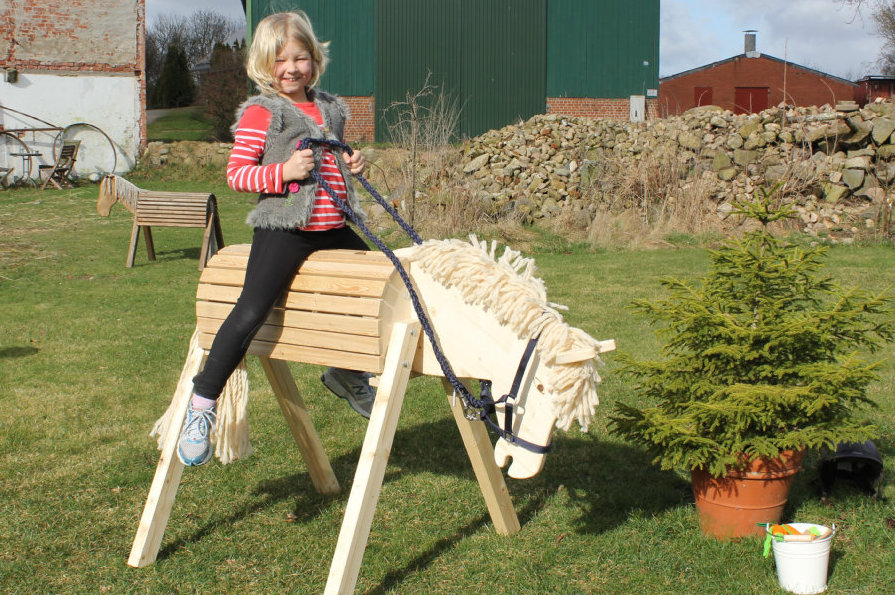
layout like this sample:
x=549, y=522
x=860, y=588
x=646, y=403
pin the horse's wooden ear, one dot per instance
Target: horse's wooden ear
x=579, y=355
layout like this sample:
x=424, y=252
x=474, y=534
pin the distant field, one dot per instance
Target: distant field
x=183, y=123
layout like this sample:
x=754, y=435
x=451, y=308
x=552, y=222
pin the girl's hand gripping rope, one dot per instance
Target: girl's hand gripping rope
x=298, y=167
x=301, y=164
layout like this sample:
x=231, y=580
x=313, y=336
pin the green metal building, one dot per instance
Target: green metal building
x=500, y=60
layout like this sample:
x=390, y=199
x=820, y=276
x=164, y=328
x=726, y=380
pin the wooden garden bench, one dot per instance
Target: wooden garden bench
x=176, y=209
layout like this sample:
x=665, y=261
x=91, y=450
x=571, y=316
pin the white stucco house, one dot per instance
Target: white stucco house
x=72, y=71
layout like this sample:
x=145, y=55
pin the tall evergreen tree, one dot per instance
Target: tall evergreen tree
x=223, y=87
x=175, y=87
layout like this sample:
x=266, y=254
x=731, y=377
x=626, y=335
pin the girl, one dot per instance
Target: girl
x=285, y=61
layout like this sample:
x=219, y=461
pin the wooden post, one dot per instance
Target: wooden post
x=167, y=474
x=132, y=248
x=374, y=456
x=296, y=414
x=481, y=455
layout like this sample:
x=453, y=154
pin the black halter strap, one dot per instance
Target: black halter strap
x=508, y=401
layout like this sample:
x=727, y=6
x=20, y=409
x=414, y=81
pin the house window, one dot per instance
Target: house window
x=750, y=100
x=702, y=96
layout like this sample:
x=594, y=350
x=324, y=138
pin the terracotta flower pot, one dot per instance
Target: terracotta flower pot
x=731, y=506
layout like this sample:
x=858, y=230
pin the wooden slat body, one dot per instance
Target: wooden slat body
x=339, y=309
x=172, y=209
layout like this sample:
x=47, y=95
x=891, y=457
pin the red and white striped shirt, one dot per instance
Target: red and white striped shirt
x=246, y=174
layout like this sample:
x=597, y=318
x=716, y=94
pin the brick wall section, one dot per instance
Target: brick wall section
x=361, y=125
x=590, y=107
x=66, y=37
x=69, y=67
x=869, y=90
x=804, y=87
x=86, y=35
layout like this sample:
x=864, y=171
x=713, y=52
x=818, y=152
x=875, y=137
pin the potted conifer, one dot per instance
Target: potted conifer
x=760, y=364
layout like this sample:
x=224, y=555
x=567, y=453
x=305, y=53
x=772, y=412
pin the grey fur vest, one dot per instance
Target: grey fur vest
x=288, y=125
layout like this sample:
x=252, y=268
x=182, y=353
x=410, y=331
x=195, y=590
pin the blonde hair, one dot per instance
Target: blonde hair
x=271, y=35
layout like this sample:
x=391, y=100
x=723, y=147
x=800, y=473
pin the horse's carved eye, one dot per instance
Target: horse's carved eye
x=540, y=387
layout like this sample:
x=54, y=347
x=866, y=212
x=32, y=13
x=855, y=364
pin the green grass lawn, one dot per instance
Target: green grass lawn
x=187, y=123
x=90, y=353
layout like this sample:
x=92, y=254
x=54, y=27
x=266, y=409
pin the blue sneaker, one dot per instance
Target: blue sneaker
x=194, y=447
x=354, y=387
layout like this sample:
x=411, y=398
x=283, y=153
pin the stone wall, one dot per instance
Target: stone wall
x=186, y=154
x=836, y=162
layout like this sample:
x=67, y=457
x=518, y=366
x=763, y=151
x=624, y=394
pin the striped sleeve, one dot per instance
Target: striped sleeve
x=244, y=170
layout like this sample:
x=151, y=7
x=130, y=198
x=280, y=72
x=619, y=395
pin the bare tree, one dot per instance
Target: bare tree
x=424, y=124
x=884, y=18
x=166, y=32
x=204, y=30
x=197, y=35
x=882, y=15
x=223, y=87
x=854, y=5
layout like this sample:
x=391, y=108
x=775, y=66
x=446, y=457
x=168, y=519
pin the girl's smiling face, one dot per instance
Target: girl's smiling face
x=293, y=69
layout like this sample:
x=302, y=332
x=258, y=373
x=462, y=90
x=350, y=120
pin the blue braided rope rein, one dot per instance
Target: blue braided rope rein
x=486, y=404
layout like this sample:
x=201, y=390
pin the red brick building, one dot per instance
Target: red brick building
x=875, y=87
x=751, y=82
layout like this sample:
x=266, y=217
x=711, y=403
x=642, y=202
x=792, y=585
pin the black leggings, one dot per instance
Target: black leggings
x=274, y=258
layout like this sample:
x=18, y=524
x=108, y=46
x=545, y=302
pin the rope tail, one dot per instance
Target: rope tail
x=183, y=391
x=232, y=430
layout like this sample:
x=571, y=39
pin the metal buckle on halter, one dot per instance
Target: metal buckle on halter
x=469, y=412
x=509, y=405
x=486, y=398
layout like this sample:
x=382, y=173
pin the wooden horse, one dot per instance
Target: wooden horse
x=351, y=309
x=162, y=209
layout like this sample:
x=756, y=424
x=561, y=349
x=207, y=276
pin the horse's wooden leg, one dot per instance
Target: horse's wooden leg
x=206, y=240
x=296, y=414
x=150, y=246
x=167, y=475
x=218, y=231
x=132, y=249
x=374, y=456
x=481, y=455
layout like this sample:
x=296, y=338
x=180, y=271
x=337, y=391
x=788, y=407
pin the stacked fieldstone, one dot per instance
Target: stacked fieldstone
x=837, y=162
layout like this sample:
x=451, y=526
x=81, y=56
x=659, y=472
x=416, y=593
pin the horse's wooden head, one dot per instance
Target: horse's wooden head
x=484, y=311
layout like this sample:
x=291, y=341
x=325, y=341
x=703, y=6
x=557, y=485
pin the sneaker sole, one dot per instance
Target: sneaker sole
x=193, y=463
x=356, y=408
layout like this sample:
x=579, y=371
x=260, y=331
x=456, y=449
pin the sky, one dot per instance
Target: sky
x=819, y=34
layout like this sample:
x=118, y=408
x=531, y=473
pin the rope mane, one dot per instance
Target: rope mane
x=508, y=288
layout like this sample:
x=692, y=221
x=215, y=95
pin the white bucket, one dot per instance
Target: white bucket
x=802, y=565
